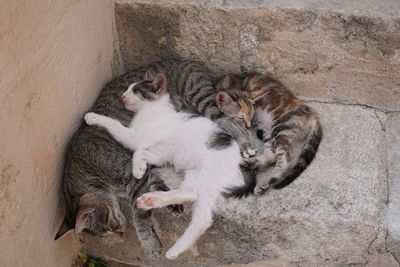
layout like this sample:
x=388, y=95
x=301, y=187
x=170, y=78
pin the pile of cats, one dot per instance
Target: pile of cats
x=246, y=133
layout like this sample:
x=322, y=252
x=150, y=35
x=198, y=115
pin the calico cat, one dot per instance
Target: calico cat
x=159, y=134
x=290, y=130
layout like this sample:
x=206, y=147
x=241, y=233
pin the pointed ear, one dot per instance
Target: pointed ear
x=160, y=83
x=223, y=98
x=149, y=76
x=256, y=95
x=83, y=219
x=224, y=83
x=226, y=105
x=65, y=228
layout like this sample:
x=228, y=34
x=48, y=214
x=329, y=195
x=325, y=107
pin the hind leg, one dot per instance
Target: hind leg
x=201, y=221
x=160, y=199
x=156, y=183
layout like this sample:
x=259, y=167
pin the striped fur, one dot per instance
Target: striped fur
x=191, y=89
x=98, y=167
x=290, y=129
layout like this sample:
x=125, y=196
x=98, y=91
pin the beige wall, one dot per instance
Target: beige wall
x=54, y=58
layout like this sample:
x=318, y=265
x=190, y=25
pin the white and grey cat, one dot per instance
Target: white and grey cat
x=159, y=134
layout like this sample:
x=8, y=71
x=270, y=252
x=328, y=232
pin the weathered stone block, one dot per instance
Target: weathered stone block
x=333, y=214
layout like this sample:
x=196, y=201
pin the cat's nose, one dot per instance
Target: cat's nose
x=123, y=97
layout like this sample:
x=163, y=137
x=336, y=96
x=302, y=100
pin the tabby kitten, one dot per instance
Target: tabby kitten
x=98, y=185
x=291, y=131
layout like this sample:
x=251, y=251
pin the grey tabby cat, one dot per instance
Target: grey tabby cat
x=98, y=183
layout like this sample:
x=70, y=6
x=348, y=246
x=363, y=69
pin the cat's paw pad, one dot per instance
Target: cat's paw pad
x=91, y=118
x=176, y=209
x=249, y=164
x=147, y=201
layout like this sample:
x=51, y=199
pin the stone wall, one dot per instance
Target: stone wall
x=55, y=56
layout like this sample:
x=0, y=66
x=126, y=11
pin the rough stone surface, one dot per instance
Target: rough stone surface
x=55, y=57
x=333, y=51
x=393, y=145
x=333, y=214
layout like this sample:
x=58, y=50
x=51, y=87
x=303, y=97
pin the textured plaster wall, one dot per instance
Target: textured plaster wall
x=55, y=56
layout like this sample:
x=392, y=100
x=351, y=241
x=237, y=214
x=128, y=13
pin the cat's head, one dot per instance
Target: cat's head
x=144, y=91
x=96, y=215
x=235, y=105
x=236, y=102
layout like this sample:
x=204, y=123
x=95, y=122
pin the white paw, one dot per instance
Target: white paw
x=147, y=201
x=139, y=168
x=251, y=152
x=172, y=255
x=91, y=118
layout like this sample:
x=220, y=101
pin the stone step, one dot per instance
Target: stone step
x=334, y=214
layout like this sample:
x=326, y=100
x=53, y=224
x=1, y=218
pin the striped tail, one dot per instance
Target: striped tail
x=306, y=157
x=245, y=190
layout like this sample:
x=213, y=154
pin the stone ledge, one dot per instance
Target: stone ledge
x=383, y=8
x=318, y=50
x=333, y=214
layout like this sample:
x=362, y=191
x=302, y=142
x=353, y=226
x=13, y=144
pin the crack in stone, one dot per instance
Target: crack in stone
x=352, y=104
x=383, y=127
x=388, y=251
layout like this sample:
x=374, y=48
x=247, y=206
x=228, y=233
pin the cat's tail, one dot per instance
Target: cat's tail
x=306, y=156
x=245, y=190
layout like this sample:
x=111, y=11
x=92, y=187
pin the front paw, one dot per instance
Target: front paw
x=249, y=164
x=139, y=170
x=248, y=150
x=265, y=185
x=260, y=190
x=172, y=253
x=92, y=118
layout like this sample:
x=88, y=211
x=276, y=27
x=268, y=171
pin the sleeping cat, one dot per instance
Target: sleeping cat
x=98, y=183
x=159, y=134
x=291, y=131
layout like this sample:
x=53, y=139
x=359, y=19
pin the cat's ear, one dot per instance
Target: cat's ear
x=228, y=82
x=83, y=219
x=149, y=76
x=226, y=105
x=223, y=98
x=160, y=83
x=256, y=95
x=224, y=83
x=64, y=229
